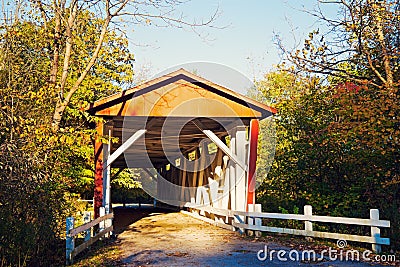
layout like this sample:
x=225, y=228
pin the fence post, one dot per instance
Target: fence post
x=254, y=221
x=257, y=221
x=308, y=224
x=70, y=242
x=102, y=223
x=375, y=231
x=108, y=223
x=86, y=218
x=250, y=220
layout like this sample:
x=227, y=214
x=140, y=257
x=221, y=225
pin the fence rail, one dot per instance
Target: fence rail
x=252, y=220
x=105, y=228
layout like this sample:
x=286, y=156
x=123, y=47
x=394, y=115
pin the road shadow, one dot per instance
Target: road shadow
x=125, y=216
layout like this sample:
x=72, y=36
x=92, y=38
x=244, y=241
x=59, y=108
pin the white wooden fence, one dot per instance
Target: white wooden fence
x=105, y=228
x=252, y=220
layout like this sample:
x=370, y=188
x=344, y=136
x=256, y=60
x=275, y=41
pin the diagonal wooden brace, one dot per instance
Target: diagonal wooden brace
x=220, y=144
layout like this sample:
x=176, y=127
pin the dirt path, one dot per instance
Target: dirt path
x=159, y=238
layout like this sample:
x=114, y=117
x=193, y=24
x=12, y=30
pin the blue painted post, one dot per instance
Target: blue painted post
x=70, y=242
x=86, y=219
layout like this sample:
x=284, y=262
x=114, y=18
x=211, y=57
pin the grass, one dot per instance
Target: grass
x=102, y=253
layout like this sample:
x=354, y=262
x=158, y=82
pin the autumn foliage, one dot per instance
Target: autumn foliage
x=338, y=125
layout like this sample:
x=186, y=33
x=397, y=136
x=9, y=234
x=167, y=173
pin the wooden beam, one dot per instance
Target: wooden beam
x=91, y=241
x=203, y=160
x=213, y=137
x=183, y=183
x=125, y=146
x=194, y=178
x=83, y=227
x=221, y=145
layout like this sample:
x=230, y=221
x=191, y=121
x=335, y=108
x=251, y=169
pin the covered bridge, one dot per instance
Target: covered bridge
x=196, y=141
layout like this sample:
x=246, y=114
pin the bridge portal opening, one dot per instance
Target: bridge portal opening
x=194, y=141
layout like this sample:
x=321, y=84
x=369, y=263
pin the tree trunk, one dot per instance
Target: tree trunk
x=386, y=57
x=63, y=103
x=56, y=51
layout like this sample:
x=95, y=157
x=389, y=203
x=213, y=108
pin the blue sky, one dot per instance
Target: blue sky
x=246, y=44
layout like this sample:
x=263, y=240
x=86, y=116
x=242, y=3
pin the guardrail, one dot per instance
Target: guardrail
x=252, y=220
x=105, y=228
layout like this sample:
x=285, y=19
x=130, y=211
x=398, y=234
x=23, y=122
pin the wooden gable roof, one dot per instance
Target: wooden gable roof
x=180, y=94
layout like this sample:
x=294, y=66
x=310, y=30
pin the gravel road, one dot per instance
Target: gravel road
x=158, y=238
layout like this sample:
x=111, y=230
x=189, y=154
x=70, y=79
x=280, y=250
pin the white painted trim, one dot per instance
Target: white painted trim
x=315, y=218
x=373, y=221
x=107, y=175
x=125, y=146
x=241, y=176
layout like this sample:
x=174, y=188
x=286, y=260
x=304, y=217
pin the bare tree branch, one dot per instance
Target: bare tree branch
x=143, y=11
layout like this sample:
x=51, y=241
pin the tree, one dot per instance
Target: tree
x=358, y=58
x=302, y=117
x=27, y=104
x=62, y=20
x=33, y=207
x=41, y=168
x=127, y=188
x=53, y=62
x=319, y=160
x=360, y=45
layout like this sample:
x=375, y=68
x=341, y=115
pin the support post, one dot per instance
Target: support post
x=253, y=143
x=70, y=241
x=375, y=231
x=183, y=163
x=213, y=184
x=86, y=219
x=226, y=189
x=203, y=160
x=241, y=153
x=103, y=160
x=232, y=173
x=193, y=186
x=107, y=175
x=308, y=224
x=98, y=170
